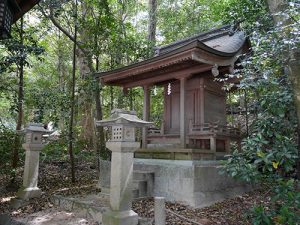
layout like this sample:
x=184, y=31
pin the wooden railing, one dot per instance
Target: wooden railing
x=157, y=131
x=202, y=129
x=216, y=128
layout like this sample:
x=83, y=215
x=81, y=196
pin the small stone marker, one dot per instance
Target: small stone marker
x=122, y=145
x=159, y=211
x=33, y=145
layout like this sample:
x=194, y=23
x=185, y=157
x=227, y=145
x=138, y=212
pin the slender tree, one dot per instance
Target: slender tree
x=20, y=68
x=152, y=22
x=71, y=132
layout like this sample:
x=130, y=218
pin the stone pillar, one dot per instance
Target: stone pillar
x=159, y=211
x=182, y=112
x=146, y=114
x=121, y=184
x=122, y=146
x=213, y=145
x=33, y=145
x=31, y=172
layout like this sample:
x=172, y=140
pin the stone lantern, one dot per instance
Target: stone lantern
x=33, y=145
x=122, y=145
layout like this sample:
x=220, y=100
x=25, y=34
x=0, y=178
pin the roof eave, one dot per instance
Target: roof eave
x=196, y=44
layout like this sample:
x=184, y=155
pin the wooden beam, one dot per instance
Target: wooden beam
x=168, y=76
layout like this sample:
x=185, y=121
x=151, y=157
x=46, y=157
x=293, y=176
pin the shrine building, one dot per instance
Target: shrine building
x=194, y=119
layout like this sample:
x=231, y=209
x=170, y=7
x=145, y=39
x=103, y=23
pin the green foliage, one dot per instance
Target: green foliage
x=7, y=142
x=270, y=152
x=7, y=137
x=57, y=150
x=260, y=216
x=181, y=19
x=271, y=146
x=285, y=203
x=17, y=53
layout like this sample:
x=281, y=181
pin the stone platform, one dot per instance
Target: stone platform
x=193, y=182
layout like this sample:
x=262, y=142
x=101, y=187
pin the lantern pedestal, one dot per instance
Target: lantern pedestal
x=120, y=212
x=31, y=172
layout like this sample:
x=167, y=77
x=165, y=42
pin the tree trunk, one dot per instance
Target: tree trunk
x=152, y=24
x=86, y=120
x=17, y=144
x=293, y=61
x=86, y=68
x=71, y=131
x=100, y=139
x=61, y=73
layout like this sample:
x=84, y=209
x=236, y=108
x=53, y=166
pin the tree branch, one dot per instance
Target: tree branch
x=56, y=23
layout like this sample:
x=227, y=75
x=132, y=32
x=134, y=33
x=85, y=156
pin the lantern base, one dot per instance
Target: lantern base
x=30, y=192
x=120, y=218
x=17, y=203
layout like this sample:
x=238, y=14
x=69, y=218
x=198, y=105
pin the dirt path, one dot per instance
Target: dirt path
x=54, y=216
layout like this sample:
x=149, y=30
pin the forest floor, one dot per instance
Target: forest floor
x=54, y=178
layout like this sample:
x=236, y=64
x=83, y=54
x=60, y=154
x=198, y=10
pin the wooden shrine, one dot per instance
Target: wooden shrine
x=194, y=124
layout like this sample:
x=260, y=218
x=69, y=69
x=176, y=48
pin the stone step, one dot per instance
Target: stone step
x=143, y=182
x=141, y=186
x=135, y=193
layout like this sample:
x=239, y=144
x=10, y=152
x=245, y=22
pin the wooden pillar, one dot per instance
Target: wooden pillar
x=202, y=92
x=182, y=112
x=146, y=114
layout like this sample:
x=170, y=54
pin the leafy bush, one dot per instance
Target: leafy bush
x=269, y=154
x=58, y=149
x=285, y=206
x=7, y=138
x=7, y=143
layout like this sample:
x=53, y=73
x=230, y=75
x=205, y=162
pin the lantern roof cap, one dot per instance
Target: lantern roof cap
x=123, y=117
x=36, y=127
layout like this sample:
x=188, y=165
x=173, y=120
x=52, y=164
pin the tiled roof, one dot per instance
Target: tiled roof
x=223, y=39
x=223, y=42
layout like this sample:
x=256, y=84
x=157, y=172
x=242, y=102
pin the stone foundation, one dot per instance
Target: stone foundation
x=196, y=183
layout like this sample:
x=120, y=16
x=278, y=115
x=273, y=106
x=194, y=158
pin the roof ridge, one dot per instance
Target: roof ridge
x=192, y=38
